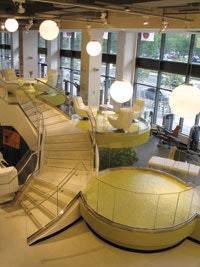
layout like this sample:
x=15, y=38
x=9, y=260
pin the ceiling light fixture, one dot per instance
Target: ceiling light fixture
x=49, y=30
x=20, y=10
x=104, y=18
x=121, y=91
x=145, y=20
x=2, y=26
x=28, y=26
x=93, y=48
x=184, y=101
x=11, y=25
x=127, y=9
x=164, y=24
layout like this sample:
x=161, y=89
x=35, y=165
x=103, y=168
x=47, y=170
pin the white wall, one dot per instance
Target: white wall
x=30, y=53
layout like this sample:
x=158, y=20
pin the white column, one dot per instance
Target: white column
x=15, y=50
x=30, y=53
x=126, y=54
x=90, y=68
x=53, y=56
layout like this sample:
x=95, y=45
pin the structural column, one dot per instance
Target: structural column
x=126, y=55
x=29, y=43
x=90, y=68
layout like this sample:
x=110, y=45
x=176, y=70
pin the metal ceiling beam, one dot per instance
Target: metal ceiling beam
x=106, y=8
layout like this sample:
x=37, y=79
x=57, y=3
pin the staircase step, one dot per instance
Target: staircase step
x=68, y=163
x=61, y=198
x=48, y=207
x=66, y=147
x=58, y=154
x=38, y=217
x=61, y=128
x=70, y=137
x=54, y=177
x=69, y=146
x=34, y=110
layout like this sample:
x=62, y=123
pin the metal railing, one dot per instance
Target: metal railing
x=34, y=152
x=56, y=198
x=142, y=210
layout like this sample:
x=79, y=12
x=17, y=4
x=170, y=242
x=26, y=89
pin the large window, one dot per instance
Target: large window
x=5, y=50
x=177, y=47
x=163, y=62
x=42, y=56
x=150, y=45
x=108, y=67
x=70, y=62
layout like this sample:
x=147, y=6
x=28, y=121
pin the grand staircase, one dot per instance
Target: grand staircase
x=51, y=199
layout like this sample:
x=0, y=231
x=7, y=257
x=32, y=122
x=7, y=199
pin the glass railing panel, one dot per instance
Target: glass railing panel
x=91, y=194
x=166, y=210
x=186, y=206
x=151, y=211
x=43, y=208
x=106, y=198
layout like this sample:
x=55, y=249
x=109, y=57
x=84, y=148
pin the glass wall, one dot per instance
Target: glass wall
x=163, y=62
x=5, y=50
x=70, y=62
x=108, y=67
x=42, y=56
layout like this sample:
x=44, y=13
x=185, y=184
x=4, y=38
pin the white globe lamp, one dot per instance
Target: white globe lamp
x=184, y=101
x=49, y=30
x=93, y=48
x=11, y=25
x=121, y=91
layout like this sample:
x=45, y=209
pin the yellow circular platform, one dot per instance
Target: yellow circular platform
x=140, y=208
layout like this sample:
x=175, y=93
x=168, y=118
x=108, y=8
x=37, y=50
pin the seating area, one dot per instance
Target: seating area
x=138, y=108
x=180, y=167
x=9, y=75
x=167, y=137
x=123, y=120
x=83, y=110
x=46, y=84
x=11, y=87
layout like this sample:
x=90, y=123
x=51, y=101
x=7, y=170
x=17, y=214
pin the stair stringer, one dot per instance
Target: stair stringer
x=64, y=220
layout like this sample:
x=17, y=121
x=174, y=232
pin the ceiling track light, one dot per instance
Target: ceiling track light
x=165, y=24
x=21, y=9
x=28, y=26
x=104, y=18
x=2, y=26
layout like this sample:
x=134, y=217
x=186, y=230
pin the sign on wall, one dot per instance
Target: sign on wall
x=11, y=138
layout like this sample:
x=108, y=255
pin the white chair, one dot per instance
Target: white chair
x=81, y=109
x=123, y=120
x=10, y=76
x=138, y=108
x=11, y=87
x=48, y=83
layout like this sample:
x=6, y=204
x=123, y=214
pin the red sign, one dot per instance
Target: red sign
x=11, y=138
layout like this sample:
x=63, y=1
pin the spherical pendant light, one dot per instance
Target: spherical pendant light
x=11, y=25
x=49, y=30
x=121, y=91
x=93, y=48
x=184, y=101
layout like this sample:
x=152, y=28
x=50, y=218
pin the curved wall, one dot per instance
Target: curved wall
x=133, y=238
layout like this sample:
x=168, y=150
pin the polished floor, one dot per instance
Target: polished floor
x=79, y=247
